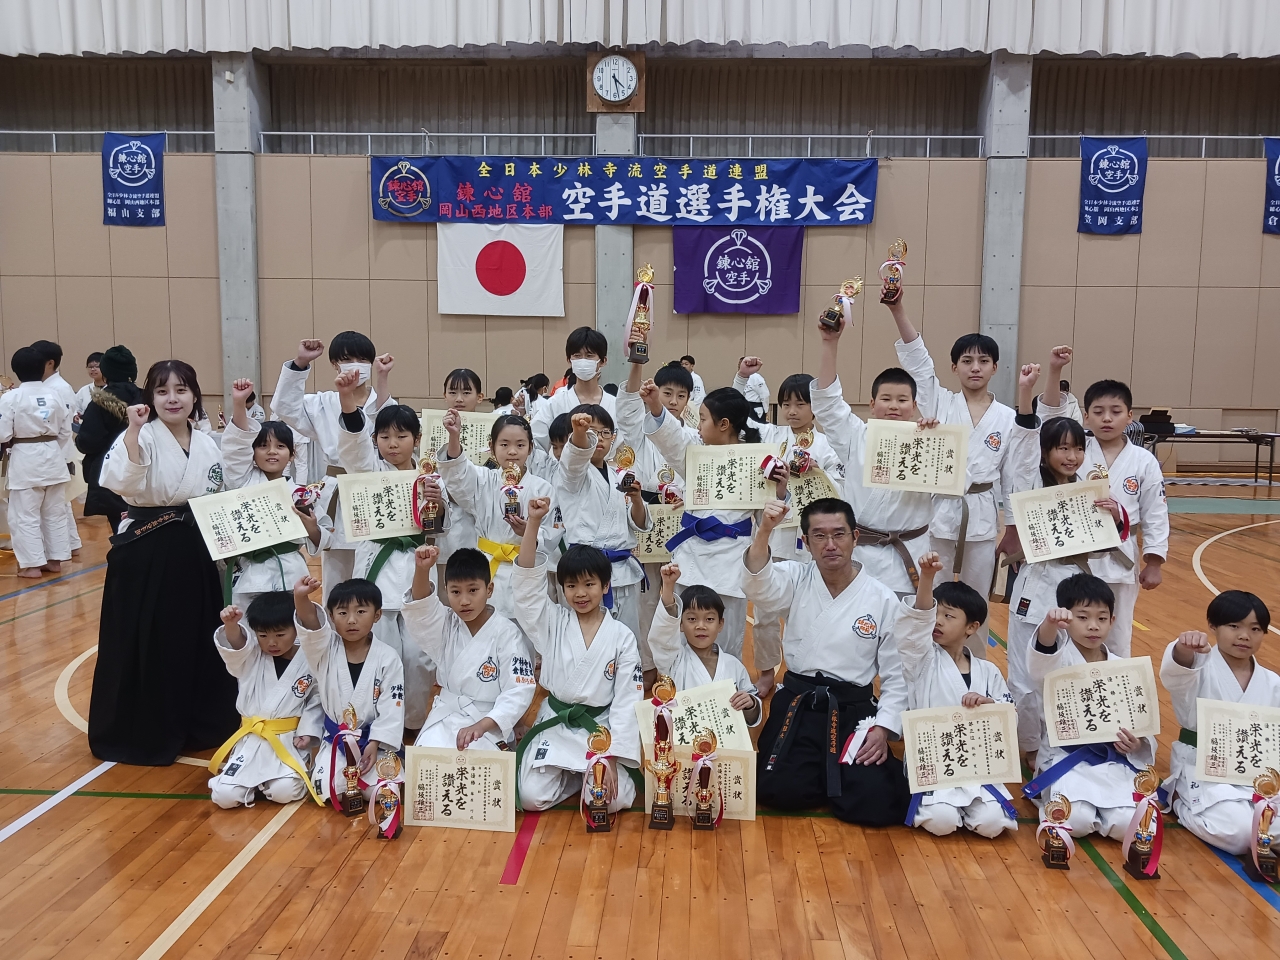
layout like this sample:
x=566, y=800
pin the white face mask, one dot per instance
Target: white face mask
x=585, y=368
x=366, y=369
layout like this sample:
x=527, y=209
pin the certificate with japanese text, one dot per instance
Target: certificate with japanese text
x=1063, y=521
x=735, y=779
x=805, y=488
x=377, y=505
x=1090, y=702
x=651, y=547
x=727, y=476
x=699, y=708
x=959, y=747
x=692, y=414
x=248, y=519
x=471, y=789
x=474, y=435
x=901, y=456
x=1236, y=741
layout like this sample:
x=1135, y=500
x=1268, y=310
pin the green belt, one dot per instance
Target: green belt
x=579, y=716
x=1188, y=737
x=390, y=546
x=275, y=551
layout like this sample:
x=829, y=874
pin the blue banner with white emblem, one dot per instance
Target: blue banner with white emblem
x=133, y=179
x=1271, y=212
x=1113, y=176
x=624, y=190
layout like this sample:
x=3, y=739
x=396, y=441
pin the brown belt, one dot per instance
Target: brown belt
x=897, y=540
x=333, y=471
x=964, y=524
x=45, y=439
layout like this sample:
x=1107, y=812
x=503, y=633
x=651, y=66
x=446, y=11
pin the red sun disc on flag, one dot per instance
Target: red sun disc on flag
x=500, y=268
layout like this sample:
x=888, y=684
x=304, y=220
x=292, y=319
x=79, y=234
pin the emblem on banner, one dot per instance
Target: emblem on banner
x=404, y=190
x=132, y=164
x=1112, y=169
x=737, y=268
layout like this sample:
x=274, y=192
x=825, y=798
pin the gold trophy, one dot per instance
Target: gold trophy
x=511, y=487
x=1141, y=846
x=663, y=767
x=640, y=322
x=667, y=487
x=426, y=512
x=704, y=791
x=388, y=802
x=891, y=271
x=1056, y=854
x=849, y=290
x=597, y=804
x=801, y=458
x=1263, y=864
x=353, y=804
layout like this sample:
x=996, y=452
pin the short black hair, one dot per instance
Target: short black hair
x=461, y=378
x=893, y=375
x=963, y=597
x=1234, y=606
x=825, y=506
x=560, y=429
x=1108, y=388
x=95, y=357
x=1064, y=386
x=249, y=400
x=675, y=375
x=978, y=343
x=795, y=387
x=1084, y=588
x=688, y=358
x=698, y=597
x=502, y=396
x=353, y=347
x=27, y=364
x=357, y=590
x=397, y=416
x=595, y=412
x=587, y=338
x=581, y=560
x=467, y=563
x=510, y=420
x=611, y=389
x=49, y=350
x=274, y=428
x=271, y=611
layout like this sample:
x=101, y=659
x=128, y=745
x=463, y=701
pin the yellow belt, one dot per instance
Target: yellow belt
x=268, y=730
x=499, y=553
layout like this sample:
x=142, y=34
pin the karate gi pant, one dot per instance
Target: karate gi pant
x=648, y=605
x=1227, y=824
x=979, y=568
x=1087, y=819
x=419, y=671
x=1026, y=697
x=336, y=565
x=541, y=788
x=229, y=795
x=73, y=534
x=983, y=816
x=38, y=525
x=1120, y=639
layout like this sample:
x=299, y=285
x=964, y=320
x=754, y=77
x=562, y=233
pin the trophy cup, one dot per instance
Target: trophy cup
x=801, y=459
x=1263, y=864
x=702, y=782
x=1142, y=842
x=386, y=812
x=849, y=291
x=624, y=459
x=511, y=487
x=304, y=498
x=667, y=486
x=638, y=321
x=595, y=805
x=353, y=804
x=663, y=767
x=426, y=512
x=1057, y=846
x=891, y=271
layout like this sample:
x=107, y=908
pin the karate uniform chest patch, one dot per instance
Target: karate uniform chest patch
x=302, y=685
x=1131, y=486
x=611, y=669
x=993, y=440
x=865, y=626
x=488, y=671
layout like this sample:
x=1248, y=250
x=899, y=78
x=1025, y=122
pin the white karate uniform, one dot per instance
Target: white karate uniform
x=542, y=463
x=676, y=659
x=604, y=674
x=1101, y=795
x=168, y=476
x=562, y=402
x=1069, y=407
x=1218, y=813
x=934, y=680
x=754, y=389
x=489, y=674
x=66, y=393
x=84, y=396
x=1137, y=484
x=889, y=511
x=252, y=763
x=37, y=473
x=699, y=390
x=378, y=696
x=784, y=543
x=597, y=513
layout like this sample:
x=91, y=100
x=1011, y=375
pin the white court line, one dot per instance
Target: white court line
x=62, y=697
x=56, y=799
x=219, y=883
x=1195, y=557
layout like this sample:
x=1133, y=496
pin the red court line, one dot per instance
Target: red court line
x=520, y=849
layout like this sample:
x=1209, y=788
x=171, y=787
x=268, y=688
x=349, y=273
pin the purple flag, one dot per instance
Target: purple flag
x=737, y=269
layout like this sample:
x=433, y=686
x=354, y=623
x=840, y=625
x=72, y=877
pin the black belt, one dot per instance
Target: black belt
x=144, y=520
x=827, y=693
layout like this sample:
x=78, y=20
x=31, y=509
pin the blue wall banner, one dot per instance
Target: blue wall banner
x=1271, y=213
x=1113, y=175
x=133, y=180
x=623, y=190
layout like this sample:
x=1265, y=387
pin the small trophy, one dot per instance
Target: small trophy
x=304, y=498
x=625, y=459
x=801, y=459
x=663, y=767
x=1262, y=865
x=670, y=490
x=511, y=488
x=595, y=804
x=1141, y=845
x=639, y=319
x=891, y=271
x=703, y=781
x=426, y=512
x=850, y=290
x=387, y=810
x=353, y=804
x=1057, y=846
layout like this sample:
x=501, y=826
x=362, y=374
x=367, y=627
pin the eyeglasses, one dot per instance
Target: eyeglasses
x=839, y=537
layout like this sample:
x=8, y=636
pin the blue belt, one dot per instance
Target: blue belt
x=1006, y=805
x=1090, y=754
x=613, y=556
x=709, y=529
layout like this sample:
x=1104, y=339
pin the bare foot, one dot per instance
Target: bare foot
x=31, y=573
x=53, y=566
x=75, y=554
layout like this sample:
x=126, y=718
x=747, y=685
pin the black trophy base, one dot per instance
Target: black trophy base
x=703, y=818
x=395, y=834
x=353, y=804
x=511, y=510
x=661, y=817
x=433, y=526
x=639, y=353
x=830, y=319
x=1137, y=864
x=1265, y=871
x=892, y=298
x=1056, y=860
x=598, y=819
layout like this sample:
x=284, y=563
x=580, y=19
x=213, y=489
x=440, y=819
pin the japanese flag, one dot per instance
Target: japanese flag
x=514, y=270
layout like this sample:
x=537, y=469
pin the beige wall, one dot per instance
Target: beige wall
x=66, y=277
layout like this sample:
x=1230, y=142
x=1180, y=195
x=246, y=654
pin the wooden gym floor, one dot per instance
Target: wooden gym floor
x=128, y=862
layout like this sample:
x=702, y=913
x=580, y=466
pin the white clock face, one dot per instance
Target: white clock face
x=615, y=78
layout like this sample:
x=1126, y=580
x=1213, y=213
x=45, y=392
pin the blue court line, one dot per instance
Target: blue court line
x=1265, y=891
x=49, y=583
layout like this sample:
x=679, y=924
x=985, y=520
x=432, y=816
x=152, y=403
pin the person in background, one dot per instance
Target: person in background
x=52, y=355
x=751, y=385
x=536, y=389
x=587, y=351
x=104, y=419
x=502, y=398
x=699, y=389
x=93, y=367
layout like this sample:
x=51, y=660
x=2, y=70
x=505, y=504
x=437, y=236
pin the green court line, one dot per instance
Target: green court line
x=1141, y=912
x=1238, y=506
x=17, y=791
x=48, y=605
x=998, y=639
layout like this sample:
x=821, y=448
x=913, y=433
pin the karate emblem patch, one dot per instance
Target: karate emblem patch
x=865, y=626
x=377, y=688
x=611, y=669
x=302, y=685
x=1131, y=486
x=215, y=478
x=488, y=670
x=993, y=440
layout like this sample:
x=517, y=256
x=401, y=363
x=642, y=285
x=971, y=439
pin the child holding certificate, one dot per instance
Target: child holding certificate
x=934, y=632
x=1096, y=778
x=1226, y=669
